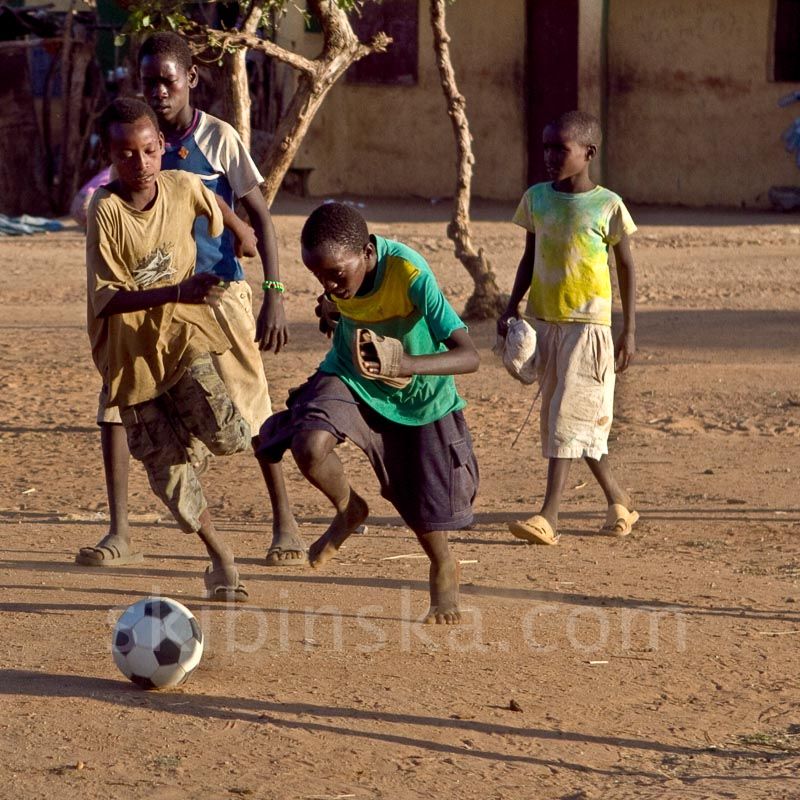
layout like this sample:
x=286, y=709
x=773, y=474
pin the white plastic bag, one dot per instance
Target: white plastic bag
x=518, y=350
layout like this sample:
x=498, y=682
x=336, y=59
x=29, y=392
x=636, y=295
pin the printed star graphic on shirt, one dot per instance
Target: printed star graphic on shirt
x=155, y=267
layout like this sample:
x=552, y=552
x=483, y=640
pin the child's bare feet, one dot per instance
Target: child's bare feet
x=343, y=524
x=444, y=578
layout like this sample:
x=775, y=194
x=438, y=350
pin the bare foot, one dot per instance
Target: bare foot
x=287, y=549
x=444, y=609
x=344, y=523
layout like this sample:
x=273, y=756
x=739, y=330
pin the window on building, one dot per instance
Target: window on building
x=786, y=54
x=312, y=23
x=398, y=65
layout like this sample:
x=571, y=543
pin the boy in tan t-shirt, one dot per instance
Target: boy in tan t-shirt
x=152, y=327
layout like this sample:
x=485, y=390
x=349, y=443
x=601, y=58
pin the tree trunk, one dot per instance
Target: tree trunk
x=236, y=89
x=309, y=95
x=236, y=93
x=305, y=103
x=486, y=301
x=341, y=48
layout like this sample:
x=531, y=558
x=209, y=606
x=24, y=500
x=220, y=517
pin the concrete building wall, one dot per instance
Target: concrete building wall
x=591, y=68
x=692, y=114
x=683, y=88
x=397, y=140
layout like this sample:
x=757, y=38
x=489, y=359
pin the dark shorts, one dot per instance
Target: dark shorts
x=428, y=473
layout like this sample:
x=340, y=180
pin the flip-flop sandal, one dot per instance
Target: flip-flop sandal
x=300, y=558
x=223, y=584
x=535, y=530
x=106, y=555
x=388, y=352
x=619, y=521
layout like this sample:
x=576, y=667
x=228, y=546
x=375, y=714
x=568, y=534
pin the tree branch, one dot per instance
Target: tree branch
x=341, y=48
x=485, y=300
x=253, y=19
x=203, y=37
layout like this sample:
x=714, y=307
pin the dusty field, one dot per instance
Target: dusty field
x=663, y=666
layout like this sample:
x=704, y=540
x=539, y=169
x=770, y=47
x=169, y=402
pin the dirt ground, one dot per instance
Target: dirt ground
x=661, y=666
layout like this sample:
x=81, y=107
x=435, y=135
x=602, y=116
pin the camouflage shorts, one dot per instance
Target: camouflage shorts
x=163, y=433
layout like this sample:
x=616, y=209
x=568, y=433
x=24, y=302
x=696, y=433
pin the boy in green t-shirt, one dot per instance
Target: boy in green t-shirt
x=390, y=390
x=571, y=223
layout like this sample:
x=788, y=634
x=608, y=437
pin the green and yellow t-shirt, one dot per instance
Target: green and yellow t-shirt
x=407, y=304
x=571, y=278
x=142, y=354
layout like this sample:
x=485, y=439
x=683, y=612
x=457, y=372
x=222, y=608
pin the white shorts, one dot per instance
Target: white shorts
x=576, y=375
x=241, y=367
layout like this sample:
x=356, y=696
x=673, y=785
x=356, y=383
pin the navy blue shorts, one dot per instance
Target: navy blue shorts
x=427, y=472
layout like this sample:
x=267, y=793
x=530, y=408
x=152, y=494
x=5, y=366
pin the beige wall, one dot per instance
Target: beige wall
x=692, y=116
x=591, y=83
x=398, y=140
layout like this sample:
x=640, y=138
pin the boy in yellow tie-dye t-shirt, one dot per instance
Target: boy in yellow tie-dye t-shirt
x=571, y=223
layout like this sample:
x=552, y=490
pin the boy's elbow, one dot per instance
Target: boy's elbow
x=473, y=362
x=468, y=359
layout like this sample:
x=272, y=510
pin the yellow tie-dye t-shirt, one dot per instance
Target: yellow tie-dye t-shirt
x=571, y=277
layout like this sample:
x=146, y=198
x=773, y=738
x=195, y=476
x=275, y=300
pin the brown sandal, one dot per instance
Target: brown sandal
x=619, y=520
x=223, y=584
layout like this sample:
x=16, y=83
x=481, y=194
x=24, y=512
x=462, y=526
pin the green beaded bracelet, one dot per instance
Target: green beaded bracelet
x=276, y=285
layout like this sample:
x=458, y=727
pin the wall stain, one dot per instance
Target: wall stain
x=677, y=82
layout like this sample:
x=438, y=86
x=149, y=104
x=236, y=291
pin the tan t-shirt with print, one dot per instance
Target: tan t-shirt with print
x=141, y=354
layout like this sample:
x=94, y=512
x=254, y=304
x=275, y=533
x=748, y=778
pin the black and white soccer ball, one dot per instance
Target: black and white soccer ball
x=157, y=643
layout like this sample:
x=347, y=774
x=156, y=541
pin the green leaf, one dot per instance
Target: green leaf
x=146, y=21
x=119, y=40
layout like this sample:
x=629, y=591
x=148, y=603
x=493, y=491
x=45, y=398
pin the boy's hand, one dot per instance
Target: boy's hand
x=502, y=323
x=328, y=315
x=246, y=242
x=202, y=287
x=624, y=351
x=272, y=332
x=369, y=358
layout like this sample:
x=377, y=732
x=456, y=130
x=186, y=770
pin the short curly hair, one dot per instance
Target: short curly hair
x=582, y=127
x=168, y=44
x=335, y=224
x=125, y=111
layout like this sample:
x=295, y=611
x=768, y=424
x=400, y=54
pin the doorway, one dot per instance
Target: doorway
x=552, y=71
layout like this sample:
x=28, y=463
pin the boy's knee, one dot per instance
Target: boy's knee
x=309, y=448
